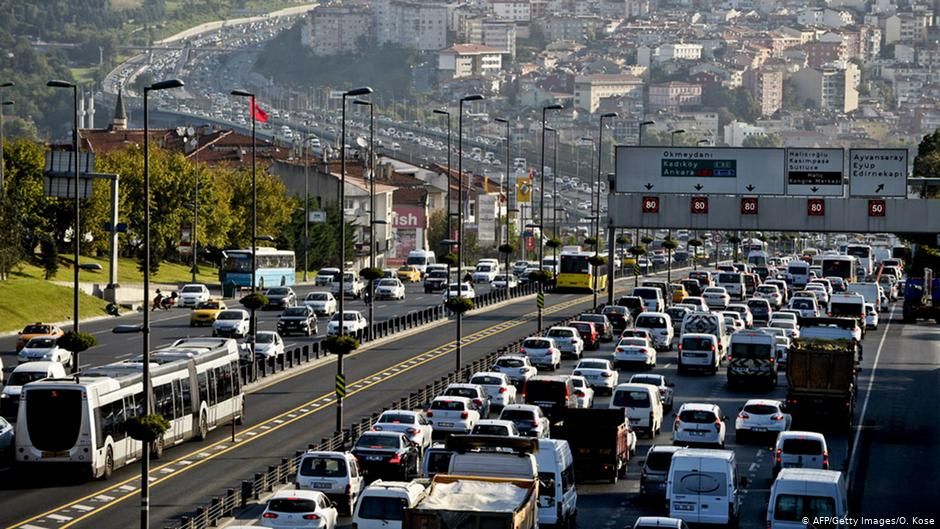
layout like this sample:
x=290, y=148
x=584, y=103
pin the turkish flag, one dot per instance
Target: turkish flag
x=256, y=112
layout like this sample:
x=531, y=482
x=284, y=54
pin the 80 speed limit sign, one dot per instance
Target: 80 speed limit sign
x=650, y=204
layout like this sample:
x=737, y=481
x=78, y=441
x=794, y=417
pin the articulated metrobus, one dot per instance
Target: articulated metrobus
x=274, y=268
x=577, y=273
x=83, y=423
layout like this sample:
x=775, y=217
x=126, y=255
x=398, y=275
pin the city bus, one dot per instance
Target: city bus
x=844, y=266
x=274, y=267
x=577, y=273
x=81, y=422
x=863, y=253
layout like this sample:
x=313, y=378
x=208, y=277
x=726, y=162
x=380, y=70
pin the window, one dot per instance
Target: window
x=213, y=386
x=325, y=467
x=382, y=508
x=632, y=399
x=163, y=401
x=186, y=395
x=699, y=482
x=203, y=381
x=790, y=507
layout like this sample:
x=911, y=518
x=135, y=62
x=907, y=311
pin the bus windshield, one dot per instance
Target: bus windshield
x=837, y=267
x=575, y=264
x=54, y=418
x=237, y=262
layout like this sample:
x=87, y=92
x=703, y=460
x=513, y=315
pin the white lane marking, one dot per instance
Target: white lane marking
x=203, y=454
x=103, y=498
x=186, y=462
x=83, y=508
x=127, y=488
x=124, y=355
x=759, y=453
x=61, y=518
x=871, y=381
x=167, y=470
x=28, y=526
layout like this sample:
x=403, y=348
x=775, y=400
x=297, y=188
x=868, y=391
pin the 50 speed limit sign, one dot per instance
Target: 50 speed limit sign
x=876, y=208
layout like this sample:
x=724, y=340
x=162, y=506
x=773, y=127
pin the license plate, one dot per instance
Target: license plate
x=684, y=506
x=758, y=429
x=322, y=485
x=55, y=454
x=373, y=458
x=445, y=424
x=697, y=433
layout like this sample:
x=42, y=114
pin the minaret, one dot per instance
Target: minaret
x=119, y=120
x=91, y=111
x=81, y=111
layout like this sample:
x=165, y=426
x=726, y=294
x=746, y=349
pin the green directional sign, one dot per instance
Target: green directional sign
x=340, y=386
x=540, y=300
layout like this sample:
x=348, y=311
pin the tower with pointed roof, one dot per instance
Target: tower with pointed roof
x=119, y=119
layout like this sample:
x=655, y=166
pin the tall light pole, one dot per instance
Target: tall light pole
x=449, y=235
x=306, y=152
x=356, y=92
x=597, y=214
x=541, y=223
x=147, y=406
x=596, y=209
x=194, y=236
x=672, y=136
x=76, y=235
x=372, y=220
x=3, y=85
x=643, y=124
x=554, y=191
x=472, y=97
x=506, y=192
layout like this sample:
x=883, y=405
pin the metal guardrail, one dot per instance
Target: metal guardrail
x=224, y=506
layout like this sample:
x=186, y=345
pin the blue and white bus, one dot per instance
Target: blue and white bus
x=274, y=267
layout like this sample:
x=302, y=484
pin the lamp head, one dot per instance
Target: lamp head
x=361, y=91
x=164, y=85
x=57, y=83
x=609, y=115
x=472, y=97
x=241, y=93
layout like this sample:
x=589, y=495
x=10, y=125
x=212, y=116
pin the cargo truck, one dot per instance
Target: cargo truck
x=470, y=502
x=922, y=298
x=601, y=442
x=821, y=377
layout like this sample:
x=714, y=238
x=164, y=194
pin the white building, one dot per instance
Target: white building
x=511, y=10
x=680, y=52
x=332, y=29
x=494, y=34
x=422, y=26
x=736, y=132
x=469, y=60
x=590, y=89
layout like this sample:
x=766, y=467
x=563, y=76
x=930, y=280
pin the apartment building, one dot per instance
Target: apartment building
x=830, y=87
x=766, y=87
x=590, y=89
x=331, y=29
x=469, y=60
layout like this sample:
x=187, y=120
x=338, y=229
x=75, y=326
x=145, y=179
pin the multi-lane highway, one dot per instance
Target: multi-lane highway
x=896, y=400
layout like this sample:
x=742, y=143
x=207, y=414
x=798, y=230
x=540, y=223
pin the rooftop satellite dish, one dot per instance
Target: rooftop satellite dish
x=180, y=131
x=190, y=131
x=361, y=142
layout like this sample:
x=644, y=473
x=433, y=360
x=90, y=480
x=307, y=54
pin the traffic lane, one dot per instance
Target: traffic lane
x=375, y=366
x=284, y=396
x=897, y=456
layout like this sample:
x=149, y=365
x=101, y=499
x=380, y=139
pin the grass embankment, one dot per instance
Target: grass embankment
x=128, y=273
x=25, y=300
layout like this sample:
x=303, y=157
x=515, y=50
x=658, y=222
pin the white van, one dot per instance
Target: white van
x=493, y=456
x=702, y=487
x=420, y=259
x=706, y=323
x=642, y=406
x=659, y=325
x=800, y=449
x=869, y=291
x=558, y=497
x=800, y=493
x=335, y=474
x=799, y=271
x=699, y=351
x=652, y=298
x=24, y=374
x=733, y=283
x=381, y=505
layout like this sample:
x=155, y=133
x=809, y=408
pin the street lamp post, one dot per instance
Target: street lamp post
x=306, y=152
x=472, y=97
x=6, y=84
x=372, y=220
x=506, y=192
x=541, y=222
x=597, y=215
x=672, y=136
x=194, y=236
x=647, y=123
x=76, y=235
x=365, y=90
x=448, y=235
x=554, y=193
x=145, y=449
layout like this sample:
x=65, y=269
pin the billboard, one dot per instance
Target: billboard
x=699, y=170
x=409, y=225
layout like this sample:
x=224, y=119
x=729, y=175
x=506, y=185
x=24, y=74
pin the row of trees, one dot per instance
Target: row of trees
x=32, y=221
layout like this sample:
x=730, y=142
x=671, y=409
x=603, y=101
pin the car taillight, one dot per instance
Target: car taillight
x=579, y=393
x=717, y=425
x=826, y=460
x=533, y=423
x=412, y=431
x=502, y=390
x=429, y=414
x=269, y=515
x=478, y=402
x=576, y=373
x=376, y=428
x=676, y=425
x=713, y=350
x=620, y=349
x=464, y=415
x=396, y=459
x=743, y=415
x=311, y=517
x=771, y=359
x=680, y=347
x=777, y=417
x=522, y=350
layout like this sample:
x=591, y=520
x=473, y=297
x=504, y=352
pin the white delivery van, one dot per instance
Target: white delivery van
x=707, y=323
x=702, y=487
x=558, y=497
x=733, y=282
x=659, y=325
x=381, y=505
x=420, y=259
x=653, y=300
x=848, y=305
x=800, y=493
x=799, y=271
x=869, y=291
x=699, y=351
x=335, y=474
x=642, y=406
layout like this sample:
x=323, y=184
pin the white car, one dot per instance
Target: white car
x=601, y=376
x=568, y=340
x=784, y=315
x=871, y=317
x=635, y=350
x=192, y=295
x=699, y=424
x=390, y=288
x=353, y=286
x=529, y=420
x=44, y=348
x=325, y=276
x=516, y=367
x=497, y=385
x=583, y=391
x=745, y=313
x=771, y=293
x=459, y=289
x=452, y=415
x=485, y=273
x=789, y=327
x=495, y=427
x=542, y=352
x=268, y=345
x=820, y=292
x=290, y=508
x=323, y=303
x=733, y=320
x=716, y=297
x=353, y=322
x=499, y=282
x=411, y=423
x=761, y=416
x=232, y=323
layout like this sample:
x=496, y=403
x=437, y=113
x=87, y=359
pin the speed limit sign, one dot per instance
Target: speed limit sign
x=816, y=207
x=699, y=205
x=650, y=204
x=876, y=208
x=749, y=206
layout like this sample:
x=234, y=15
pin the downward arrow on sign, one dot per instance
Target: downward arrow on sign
x=648, y=186
x=698, y=187
x=814, y=189
x=749, y=187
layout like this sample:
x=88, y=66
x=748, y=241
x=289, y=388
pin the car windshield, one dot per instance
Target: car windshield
x=729, y=278
x=713, y=291
x=645, y=293
x=230, y=315
x=397, y=418
x=653, y=380
x=191, y=289
x=510, y=362
x=318, y=296
x=652, y=322
x=36, y=329
x=22, y=378
x=631, y=399
x=802, y=447
x=803, y=304
x=377, y=441
x=448, y=405
x=583, y=327
x=592, y=364
x=545, y=390
x=292, y=505
x=633, y=342
x=264, y=337
x=208, y=305
x=697, y=416
x=659, y=460
x=323, y=467
x=761, y=409
x=388, y=283
x=537, y=344
x=438, y=274
x=783, y=324
x=696, y=343
x=751, y=351
x=296, y=311
x=490, y=429
x=41, y=343
x=793, y=508
x=347, y=316
x=560, y=333
x=516, y=415
x=278, y=291
x=462, y=392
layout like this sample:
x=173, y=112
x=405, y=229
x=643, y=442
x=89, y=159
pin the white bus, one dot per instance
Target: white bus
x=82, y=423
x=844, y=266
x=863, y=253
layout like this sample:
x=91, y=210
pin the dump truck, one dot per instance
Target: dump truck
x=921, y=298
x=601, y=442
x=472, y=502
x=821, y=375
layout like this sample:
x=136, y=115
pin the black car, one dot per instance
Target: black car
x=298, y=320
x=280, y=298
x=633, y=303
x=386, y=455
x=435, y=281
x=619, y=317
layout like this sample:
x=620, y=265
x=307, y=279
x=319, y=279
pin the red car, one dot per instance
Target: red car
x=588, y=332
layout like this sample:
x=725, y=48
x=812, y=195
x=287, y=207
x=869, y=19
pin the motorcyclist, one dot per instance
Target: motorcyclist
x=158, y=300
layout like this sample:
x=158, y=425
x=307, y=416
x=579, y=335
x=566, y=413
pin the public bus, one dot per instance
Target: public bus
x=753, y=245
x=81, y=422
x=844, y=266
x=577, y=273
x=863, y=253
x=274, y=267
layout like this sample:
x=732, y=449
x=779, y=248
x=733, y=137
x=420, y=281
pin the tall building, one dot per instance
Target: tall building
x=766, y=87
x=422, y=26
x=674, y=95
x=590, y=89
x=469, y=60
x=511, y=10
x=494, y=34
x=334, y=28
x=830, y=87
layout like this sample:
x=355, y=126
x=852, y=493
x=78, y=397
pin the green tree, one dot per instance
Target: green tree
x=437, y=232
x=762, y=140
x=927, y=161
x=49, y=257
